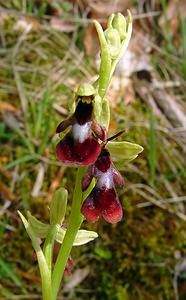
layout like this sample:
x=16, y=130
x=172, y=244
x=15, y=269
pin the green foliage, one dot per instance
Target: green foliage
x=7, y=271
x=105, y=254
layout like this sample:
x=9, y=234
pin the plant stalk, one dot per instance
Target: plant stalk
x=75, y=221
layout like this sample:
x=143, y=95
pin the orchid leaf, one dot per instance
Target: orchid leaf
x=31, y=233
x=39, y=228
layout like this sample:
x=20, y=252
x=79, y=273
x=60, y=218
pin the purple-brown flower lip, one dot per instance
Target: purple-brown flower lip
x=102, y=203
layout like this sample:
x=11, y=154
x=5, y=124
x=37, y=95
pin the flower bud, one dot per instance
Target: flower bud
x=58, y=206
x=113, y=39
x=119, y=23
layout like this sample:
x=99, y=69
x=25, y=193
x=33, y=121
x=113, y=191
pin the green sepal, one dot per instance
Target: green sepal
x=97, y=108
x=39, y=228
x=109, y=21
x=128, y=34
x=86, y=89
x=123, y=152
x=102, y=111
x=58, y=206
x=105, y=118
x=82, y=237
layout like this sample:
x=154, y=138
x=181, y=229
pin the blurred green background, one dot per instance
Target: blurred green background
x=47, y=49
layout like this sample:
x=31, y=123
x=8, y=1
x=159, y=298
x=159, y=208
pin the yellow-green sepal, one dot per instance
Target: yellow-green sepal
x=123, y=152
x=82, y=237
x=97, y=108
x=105, y=118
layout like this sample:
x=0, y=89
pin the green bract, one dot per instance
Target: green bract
x=124, y=151
x=58, y=206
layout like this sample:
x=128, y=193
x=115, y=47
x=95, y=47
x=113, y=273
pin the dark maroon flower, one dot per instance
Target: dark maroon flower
x=82, y=145
x=103, y=200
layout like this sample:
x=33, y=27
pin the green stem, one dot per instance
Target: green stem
x=49, y=246
x=75, y=222
x=45, y=276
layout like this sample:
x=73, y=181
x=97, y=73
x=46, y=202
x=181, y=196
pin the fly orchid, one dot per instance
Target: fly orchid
x=103, y=200
x=83, y=144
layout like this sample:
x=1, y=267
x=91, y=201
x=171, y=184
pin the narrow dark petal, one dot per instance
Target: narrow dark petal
x=109, y=206
x=89, y=209
x=64, y=124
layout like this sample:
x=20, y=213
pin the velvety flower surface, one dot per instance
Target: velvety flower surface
x=82, y=144
x=103, y=200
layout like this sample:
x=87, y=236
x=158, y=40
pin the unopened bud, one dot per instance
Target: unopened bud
x=58, y=206
x=119, y=23
x=113, y=40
